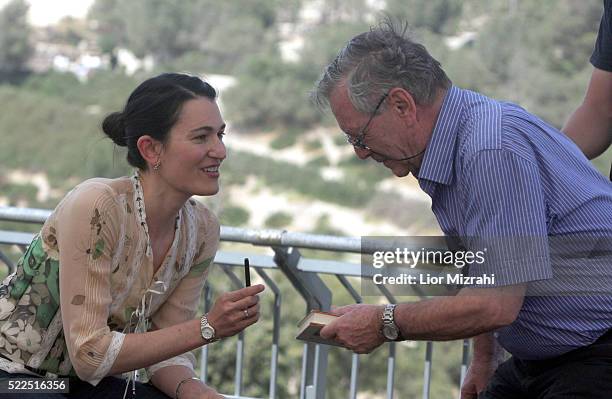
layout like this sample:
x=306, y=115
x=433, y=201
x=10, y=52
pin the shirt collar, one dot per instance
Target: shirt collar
x=438, y=162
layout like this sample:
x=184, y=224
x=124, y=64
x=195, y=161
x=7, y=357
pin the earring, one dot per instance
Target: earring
x=157, y=165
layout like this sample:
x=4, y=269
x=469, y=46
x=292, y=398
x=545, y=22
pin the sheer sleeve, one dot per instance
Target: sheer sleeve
x=88, y=225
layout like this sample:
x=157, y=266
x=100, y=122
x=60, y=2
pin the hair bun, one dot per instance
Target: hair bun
x=114, y=127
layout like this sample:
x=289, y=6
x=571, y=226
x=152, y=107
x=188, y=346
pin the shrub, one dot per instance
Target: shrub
x=233, y=215
x=278, y=220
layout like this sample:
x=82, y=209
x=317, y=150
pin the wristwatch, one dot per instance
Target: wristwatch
x=389, y=329
x=207, y=331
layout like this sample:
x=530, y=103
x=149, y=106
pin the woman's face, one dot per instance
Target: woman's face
x=193, y=153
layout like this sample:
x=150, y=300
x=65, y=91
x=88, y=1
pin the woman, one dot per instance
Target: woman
x=113, y=281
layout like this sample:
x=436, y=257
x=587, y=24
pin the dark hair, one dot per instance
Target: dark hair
x=152, y=109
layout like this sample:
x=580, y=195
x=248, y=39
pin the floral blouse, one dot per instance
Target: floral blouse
x=87, y=279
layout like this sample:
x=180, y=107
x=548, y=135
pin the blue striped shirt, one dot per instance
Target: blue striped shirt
x=503, y=179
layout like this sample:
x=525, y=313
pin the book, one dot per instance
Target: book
x=310, y=326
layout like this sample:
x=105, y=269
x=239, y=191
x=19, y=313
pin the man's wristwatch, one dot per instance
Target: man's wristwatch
x=389, y=329
x=207, y=331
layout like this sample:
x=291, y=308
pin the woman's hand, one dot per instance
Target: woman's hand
x=235, y=310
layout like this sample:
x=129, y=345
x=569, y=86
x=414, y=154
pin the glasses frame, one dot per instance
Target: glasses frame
x=357, y=141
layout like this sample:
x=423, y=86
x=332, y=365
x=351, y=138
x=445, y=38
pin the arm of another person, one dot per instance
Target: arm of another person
x=590, y=126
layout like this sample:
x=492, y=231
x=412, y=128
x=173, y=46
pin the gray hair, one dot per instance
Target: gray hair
x=377, y=61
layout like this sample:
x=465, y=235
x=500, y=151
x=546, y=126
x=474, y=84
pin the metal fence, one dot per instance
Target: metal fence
x=304, y=275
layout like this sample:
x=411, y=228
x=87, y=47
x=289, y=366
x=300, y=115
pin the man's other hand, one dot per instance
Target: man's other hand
x=477, y=378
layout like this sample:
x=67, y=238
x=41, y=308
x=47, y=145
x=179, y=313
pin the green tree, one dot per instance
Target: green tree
x=218, y=35
x=272, y=93
x=15, y=45
x=278, y=220
x=234, y=215
x=566, y=36
x=343, y=11
x=324, y=41
x=110, y=24
x=70, y=31
x=437, y=16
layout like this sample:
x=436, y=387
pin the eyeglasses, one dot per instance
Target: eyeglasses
x=357, y=141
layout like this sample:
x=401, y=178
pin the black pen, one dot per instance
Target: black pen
x=247, y=273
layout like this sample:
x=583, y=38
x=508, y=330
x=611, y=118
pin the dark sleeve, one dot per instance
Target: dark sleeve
x=602, y=53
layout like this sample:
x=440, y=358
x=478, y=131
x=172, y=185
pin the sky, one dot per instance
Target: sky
x=49, y=12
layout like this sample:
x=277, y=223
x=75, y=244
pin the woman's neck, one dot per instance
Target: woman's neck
x=162, y=203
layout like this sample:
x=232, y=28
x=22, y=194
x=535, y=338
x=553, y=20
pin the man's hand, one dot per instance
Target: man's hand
x=477, y=378
x=358, y=328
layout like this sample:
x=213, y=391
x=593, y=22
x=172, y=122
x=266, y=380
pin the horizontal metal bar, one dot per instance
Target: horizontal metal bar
x=15, y=238
x=228, y=233
x=237, y=259
x=329, y=267
x=263, y=237
x=286, y=239
x=25, y=215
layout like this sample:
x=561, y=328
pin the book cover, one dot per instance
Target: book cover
x=310, y=326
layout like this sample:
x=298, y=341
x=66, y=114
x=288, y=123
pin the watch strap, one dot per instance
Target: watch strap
x=203, y=324
x=388, y=319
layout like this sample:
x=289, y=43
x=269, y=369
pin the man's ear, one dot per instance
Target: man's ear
x=150, y=149
x=402, y=104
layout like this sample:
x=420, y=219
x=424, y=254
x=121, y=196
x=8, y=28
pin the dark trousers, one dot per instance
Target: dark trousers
x=108, y=388
x=582, y=373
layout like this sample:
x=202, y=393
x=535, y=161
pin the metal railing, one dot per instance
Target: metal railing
x=304, y=275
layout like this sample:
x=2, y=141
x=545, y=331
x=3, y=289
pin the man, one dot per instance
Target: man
x=493, y=172
x=590, y=126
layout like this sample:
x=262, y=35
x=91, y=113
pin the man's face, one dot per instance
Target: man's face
x=383, y=134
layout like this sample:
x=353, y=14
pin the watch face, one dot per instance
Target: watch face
x=207, y=332
x=390, y=332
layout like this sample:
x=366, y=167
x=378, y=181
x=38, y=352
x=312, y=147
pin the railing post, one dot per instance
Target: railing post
x=204, y=352
x=355, y=357
x=427, y=371
x=240, y=342
x=391, y=370
x=10, y=265
x=464, y=361
x=275, y=331
x=317, y=296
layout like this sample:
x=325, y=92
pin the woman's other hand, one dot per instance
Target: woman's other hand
x=235, y=310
